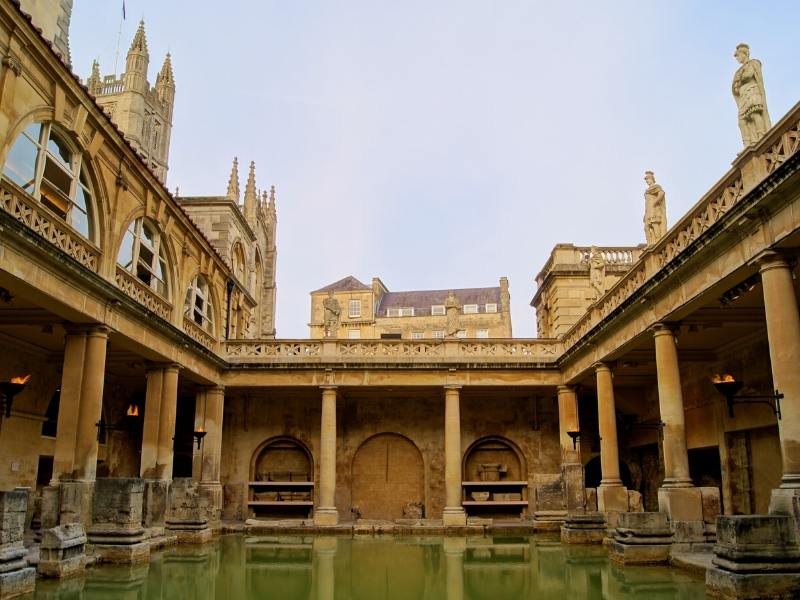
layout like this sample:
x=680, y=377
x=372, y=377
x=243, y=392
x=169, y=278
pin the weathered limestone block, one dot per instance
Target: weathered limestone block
x=612, y=498
x=756, y=556
x=681, y=503
x=641, y=538
x=16, y=577
x=62, y=551
x=116, y=534
x=212, y=492
x=712, y=506
x=549, y=506
x=68, y=502
x=574, y=488
x=587, y=528
x=591, y=499
x=154, y=504
x=187, y=517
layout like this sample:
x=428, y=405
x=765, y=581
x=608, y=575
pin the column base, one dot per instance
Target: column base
x=212, y=491
x=17, y=583
x=454, y=516
x=681, y=503
x=154, y=503
x=326, y=516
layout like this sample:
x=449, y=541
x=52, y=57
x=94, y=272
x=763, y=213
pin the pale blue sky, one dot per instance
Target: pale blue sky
x=446, y=144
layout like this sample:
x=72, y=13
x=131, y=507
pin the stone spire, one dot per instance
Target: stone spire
x=165, y=85
x=250, y=197
x=272, y=208
x=233, y=182
x=137, y=62
x=94, y=82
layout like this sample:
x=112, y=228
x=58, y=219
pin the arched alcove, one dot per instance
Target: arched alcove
x=482, y=455
x=388, y=474
x=282, y=459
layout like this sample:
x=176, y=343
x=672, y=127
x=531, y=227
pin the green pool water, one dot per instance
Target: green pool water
x=428, y=568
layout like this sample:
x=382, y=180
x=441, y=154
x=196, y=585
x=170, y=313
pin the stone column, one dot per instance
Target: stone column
x=571, y=464
x=152, y=412
x=453, y=511
x=568, y=421
x=611, y=495
x=166, y=422
x=783, y=333
x=206, y=467
x=69, y=406
x=677, y=496
x=17, y=578
x=326, y=513
x=91, y=403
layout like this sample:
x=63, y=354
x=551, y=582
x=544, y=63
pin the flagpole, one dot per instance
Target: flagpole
x=119, y=37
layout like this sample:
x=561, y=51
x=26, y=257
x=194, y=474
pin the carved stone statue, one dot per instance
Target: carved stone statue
x=751, y=100
x=451, y=305
x=655, y=210
x=332, y=312
x=597, y=272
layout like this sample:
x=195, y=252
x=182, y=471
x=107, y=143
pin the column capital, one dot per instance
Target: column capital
x=453, y=386
x=565, y=389
x=215, y=389
x=601, y=367
x=95, y=329
x=328, y=386
x=659, y=329
x=770, y=259
x=172, y=367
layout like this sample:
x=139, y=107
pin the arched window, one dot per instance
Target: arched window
x=238, y=263
x=43, y=164
x=142, y=253
x=198, y=303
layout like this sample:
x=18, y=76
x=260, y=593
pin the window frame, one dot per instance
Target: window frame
x=482, y=334
x=76, y=170
x=200, y=284
x=438, y=310
x=135, y=229
x=493, y=307
x=354, y=314
x=417, y=335
x=470, y=309
x=438, y=334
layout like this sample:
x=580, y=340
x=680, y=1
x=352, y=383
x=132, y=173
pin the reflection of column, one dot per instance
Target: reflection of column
x=568, y=421
x=91, y=403
x=783, y=333
x=453, y=511
x=152, y=411
x=324, y=578
x=69, y=403
x=611, y=495
x=166, y=422
x=209, y=407
x=326, y=513
x=670, y=402
x=454, y=548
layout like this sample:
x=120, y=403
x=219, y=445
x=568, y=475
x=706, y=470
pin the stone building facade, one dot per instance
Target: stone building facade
x=373, y=312
x=116, y=304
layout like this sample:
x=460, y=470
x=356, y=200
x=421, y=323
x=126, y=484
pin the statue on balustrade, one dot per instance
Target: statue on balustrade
x=597, y=272
x=655, y=210
x=751, y=100
x=451, y=305
x=332, y=312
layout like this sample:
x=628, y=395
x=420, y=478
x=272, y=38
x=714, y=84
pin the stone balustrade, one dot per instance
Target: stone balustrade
x=143, y=294
x=197, y=333
x=52, y=228
x=501, y=351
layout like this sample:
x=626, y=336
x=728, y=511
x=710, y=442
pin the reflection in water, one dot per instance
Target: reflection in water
x=376, y=568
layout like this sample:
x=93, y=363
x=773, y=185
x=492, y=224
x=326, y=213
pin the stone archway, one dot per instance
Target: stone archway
x=388, y=473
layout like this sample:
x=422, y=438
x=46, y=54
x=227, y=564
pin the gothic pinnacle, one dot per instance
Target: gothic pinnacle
x=250, y=198
x=233, y=182
x=139, y=43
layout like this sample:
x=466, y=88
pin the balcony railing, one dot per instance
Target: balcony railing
x=197, y=333
x=52, y=228
x=143, y=294
x=392, y=351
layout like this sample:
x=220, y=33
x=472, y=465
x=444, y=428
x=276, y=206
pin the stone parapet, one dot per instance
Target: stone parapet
x=641, y=538
x=16, y=577
x=116, y=534
x=62, y=552
x=756, y=556
x=187, y=516
x=586, y=528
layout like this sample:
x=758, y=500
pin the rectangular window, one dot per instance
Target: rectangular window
x=391, y=336
x=491, y=308
x=400, y=312
x=482, y=333
x=353, y=334
x=437, y=309
x=438, y=334
x=354, y=308
x=462, y=333
x=470, y=309
x=417, y=335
